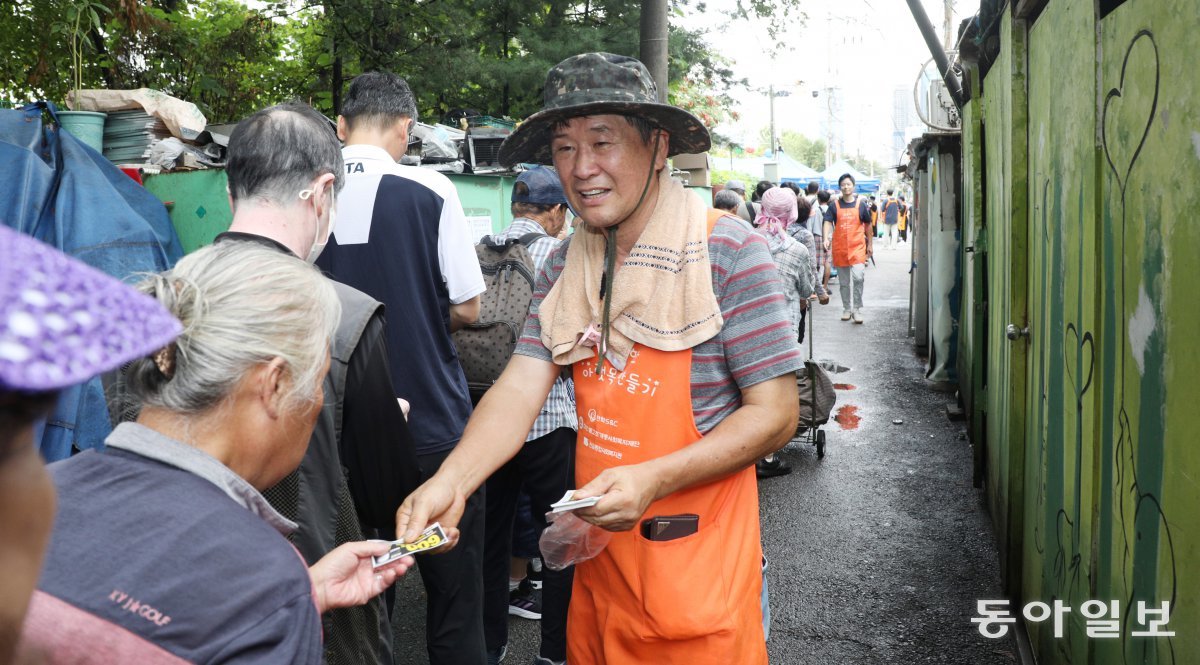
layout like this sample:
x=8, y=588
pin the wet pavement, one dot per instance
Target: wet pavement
x=878, y=551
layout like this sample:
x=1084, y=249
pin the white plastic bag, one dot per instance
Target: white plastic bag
x=437, y=142
x=165, y=152
x=569, y=540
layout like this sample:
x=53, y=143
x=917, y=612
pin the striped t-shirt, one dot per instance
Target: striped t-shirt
x=755, y=344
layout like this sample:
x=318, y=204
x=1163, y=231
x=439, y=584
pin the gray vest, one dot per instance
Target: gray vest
x=316, y=496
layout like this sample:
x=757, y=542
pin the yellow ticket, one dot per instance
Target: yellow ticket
x=431, y=538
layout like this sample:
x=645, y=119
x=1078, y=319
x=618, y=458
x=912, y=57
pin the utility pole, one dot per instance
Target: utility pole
x=771, y=92
x=653, y=51
x=830, y=133
x=831, y=153
x=949, y=26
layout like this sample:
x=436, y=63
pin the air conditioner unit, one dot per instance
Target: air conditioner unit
x=942, y=113
x=481, y=149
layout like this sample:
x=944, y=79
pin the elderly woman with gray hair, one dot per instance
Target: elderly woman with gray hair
x=163, y=549
x=776, y=212
x=792, y=258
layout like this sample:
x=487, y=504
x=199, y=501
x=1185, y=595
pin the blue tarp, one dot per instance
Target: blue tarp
x=64, y=193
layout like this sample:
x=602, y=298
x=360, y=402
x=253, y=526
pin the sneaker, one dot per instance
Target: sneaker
x=525, y=602
x=858, y=317
x=533, y=572
x=772, y=468
x=845, y=315
x=496, y=656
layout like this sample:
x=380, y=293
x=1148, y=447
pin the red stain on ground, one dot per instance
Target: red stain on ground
x=843, y=386
x=847, y=417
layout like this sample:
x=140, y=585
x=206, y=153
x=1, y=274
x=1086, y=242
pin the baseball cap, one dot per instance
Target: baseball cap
x=63, y=322
x=735, y=184
x=544, y=187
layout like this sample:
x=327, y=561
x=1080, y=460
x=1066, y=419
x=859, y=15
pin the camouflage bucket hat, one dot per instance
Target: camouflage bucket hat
x=600, y=84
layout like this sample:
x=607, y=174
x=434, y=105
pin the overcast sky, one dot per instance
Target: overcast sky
x=863, y=49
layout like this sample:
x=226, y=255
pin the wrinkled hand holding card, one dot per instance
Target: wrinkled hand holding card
x=431, y=539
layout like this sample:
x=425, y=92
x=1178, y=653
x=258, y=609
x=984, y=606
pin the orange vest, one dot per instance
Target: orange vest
x=688, y=601
x=849, y=241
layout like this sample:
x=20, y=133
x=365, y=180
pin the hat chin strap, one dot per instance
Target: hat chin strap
x=610, y=259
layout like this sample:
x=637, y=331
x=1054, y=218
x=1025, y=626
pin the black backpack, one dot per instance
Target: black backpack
x=485, y=346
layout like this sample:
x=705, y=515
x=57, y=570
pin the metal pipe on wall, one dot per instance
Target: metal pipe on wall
x=938, y=51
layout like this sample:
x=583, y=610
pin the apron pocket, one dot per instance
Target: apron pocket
x=683, y=586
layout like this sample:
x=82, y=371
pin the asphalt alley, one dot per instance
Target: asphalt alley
x=880, y=550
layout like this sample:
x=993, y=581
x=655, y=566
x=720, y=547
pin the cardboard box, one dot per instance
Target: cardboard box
x=691, y=162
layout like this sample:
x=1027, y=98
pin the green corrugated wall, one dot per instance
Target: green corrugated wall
x=1060, y=434
x=1004, y=122
x=1088, y=222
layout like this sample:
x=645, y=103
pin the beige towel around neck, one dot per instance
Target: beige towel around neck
x=662, y=296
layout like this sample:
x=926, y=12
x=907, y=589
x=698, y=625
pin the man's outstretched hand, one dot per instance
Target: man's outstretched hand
x=437, y=500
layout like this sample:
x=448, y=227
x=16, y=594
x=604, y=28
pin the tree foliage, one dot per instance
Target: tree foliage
x=807, y=151
x=231, y=57
x=810, y=152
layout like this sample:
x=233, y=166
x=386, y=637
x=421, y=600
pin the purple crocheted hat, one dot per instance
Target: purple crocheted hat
x=63, y=322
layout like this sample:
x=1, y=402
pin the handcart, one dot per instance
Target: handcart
x=817, y=396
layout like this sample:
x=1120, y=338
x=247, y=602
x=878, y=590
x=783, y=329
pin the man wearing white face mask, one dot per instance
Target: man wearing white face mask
x=403, y=238
x=320, y=239
x=285, y=168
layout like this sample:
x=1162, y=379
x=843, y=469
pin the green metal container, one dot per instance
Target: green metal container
x=197, y=202
x=486, y=200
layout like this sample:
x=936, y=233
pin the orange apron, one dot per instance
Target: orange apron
x=689, y=601
x=849, y=241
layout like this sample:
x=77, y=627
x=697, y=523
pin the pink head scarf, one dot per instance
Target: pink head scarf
x=776, y=211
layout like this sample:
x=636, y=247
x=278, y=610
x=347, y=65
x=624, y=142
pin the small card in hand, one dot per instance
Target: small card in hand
x=431, y=539
x=566, y=503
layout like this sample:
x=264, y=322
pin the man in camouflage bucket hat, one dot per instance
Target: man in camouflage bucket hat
x=601, y=83
x=669, y=429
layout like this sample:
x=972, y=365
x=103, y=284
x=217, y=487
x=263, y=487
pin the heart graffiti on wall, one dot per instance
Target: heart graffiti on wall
x=1128, y=114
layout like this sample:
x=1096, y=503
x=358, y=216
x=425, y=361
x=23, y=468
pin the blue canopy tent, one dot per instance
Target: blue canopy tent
x=864, y=184
x=789, y=169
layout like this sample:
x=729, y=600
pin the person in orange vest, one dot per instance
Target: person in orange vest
x=903, y=224
x=672, y=320
x=848, y=237
x=891, y=213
